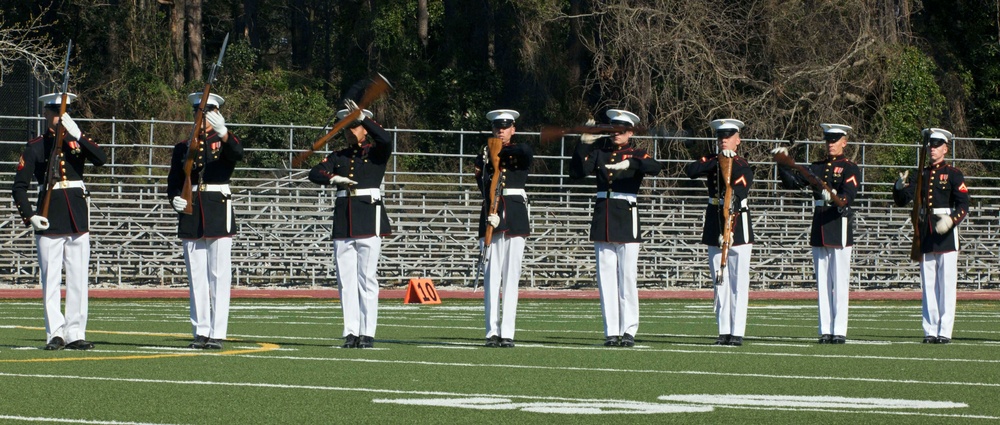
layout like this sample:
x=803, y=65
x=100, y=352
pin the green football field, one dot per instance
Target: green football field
x=282, y=365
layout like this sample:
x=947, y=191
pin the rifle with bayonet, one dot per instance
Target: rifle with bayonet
x=918, y=201
x=194, y=143
x=550, y=133
x=52, y=173
x=494, y=195
x=728, y=218
x=814, y=181
x=378, y=86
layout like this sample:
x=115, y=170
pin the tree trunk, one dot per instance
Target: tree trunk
x=177, y=12
x=247, y=23
x=195, y=53
x=301, y=34
x=422, y=22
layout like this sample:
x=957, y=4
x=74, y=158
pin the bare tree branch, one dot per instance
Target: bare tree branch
x=24, y=42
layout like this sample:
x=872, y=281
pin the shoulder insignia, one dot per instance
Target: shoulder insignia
x=963, y=188
x=20, y=163
x=853, y=180
x=741, y=181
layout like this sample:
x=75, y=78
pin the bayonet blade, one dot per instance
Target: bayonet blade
x=218, y=63
x=65, y=84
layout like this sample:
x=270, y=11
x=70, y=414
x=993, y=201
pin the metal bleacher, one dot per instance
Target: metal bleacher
x=284, y=238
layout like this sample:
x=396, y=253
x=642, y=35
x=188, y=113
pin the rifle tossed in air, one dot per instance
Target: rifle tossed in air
x=194, y=143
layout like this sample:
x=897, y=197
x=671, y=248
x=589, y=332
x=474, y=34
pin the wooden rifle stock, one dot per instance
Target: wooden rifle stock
x=493, y=196
x=194, y=145
x=550, y=133
x=918, y=205
x=728, y=218
x=379, y=85
x=815, y=182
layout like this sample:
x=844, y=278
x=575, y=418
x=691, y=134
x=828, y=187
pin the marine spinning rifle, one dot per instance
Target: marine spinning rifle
x=52, y=172
x=493, y=147
x=194, y=143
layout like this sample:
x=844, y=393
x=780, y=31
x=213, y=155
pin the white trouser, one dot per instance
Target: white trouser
x=617, y=265
x=938, y=278
x=731, y=298
x=502, y=271
x=833, y=281
x=357, y=283
x=73, y=253
x=210, y=274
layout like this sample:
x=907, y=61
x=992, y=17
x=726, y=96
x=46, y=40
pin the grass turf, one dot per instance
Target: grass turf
x=429, y=366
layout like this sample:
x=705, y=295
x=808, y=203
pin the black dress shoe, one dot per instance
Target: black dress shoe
x=350, y=341
x=723, y=339
x=366, y=342
x=930, y=340
x=826, y=339
x=611, y=341
x=56, y=343
x=213, y=344
x=80, y=345
x=943, y=340
x=199, y=342
x=506, y=343
x=839, y=339
x=628, y=340
x=736, y=340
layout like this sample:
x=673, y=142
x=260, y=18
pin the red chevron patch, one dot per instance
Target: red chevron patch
x=853, y=180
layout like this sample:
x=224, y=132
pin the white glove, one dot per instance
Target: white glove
x=351, y=107
x=618, y=166
x=178, y=203
x=72, y=130
x=342, y=181
x=39, y=223
x=588, y=139
x=901, y=183
x=944, y=224
x=780, y=149
x=218, y=123
x=493, y=219
x=827, y=196
x=728, y=153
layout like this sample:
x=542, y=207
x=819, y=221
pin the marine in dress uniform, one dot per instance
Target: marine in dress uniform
x=832, y=236
x=359, y=221
x=619, y=167
x=945, y=204
x=207, y=233
x=510, y=226
x=62, y=238
x=732, y=289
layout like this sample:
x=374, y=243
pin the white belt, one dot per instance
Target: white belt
x=820, y=203
x=515, y=192
x=66, y=184
x=939, y=211
x=375, y=193
x=717, y=201
x=207, y=187
x=631, y=197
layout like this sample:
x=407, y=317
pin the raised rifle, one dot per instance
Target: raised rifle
x=918, y=202
x=52, y=172
x=494, y=195
x=814, y=181
x=378, y=86
x=194, y=143
x=550, y=133
x=728, y=218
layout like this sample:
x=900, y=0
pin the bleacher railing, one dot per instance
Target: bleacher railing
x=433, y=201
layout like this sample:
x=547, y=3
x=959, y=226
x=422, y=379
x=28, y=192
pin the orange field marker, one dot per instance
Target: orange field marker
x=421, y=291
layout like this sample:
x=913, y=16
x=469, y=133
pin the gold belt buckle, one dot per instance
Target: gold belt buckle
x=201, y=187
x=63, y=184
x=353, y=192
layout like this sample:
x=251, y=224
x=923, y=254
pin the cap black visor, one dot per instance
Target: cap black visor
x=725, y=133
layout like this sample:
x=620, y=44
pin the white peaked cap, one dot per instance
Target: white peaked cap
x=939, y=133
x=56, y=98
x=623, y=116
x=727, y=124
x=213, y=99
x=341, y=114
x=502, y=114
x=836, y=128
